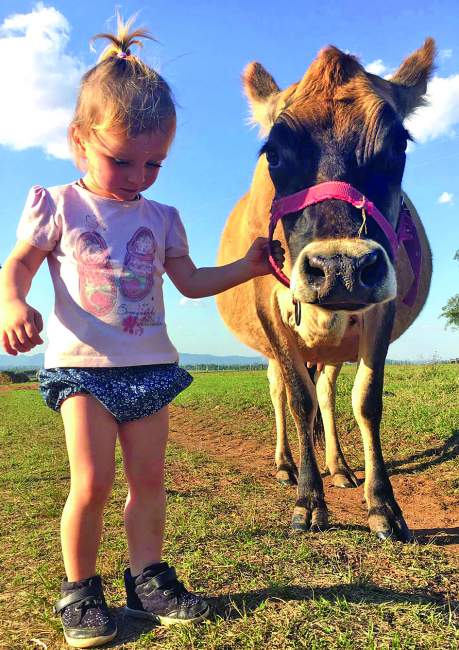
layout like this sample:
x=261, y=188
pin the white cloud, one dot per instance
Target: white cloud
x=41, y=81
x=446, y=197
x=376, y=67
x=441, y=116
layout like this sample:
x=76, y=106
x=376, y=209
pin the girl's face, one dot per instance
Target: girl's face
x=119, y=167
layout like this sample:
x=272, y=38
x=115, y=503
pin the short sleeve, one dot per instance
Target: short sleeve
x=176, y=240
x=37, y=224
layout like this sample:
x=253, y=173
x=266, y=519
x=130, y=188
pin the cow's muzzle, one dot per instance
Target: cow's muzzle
x=343, y=274
x=405, y=233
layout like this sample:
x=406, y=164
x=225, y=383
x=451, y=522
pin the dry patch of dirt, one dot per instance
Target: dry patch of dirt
x=431, y=514
x=4, y=388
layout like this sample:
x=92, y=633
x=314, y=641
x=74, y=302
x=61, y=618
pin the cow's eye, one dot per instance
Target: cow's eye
x=401, y=141
x=400, y=145
x=272, y=157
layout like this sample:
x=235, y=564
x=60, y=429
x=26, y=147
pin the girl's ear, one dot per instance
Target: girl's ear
x=78, y=146
x=78, y=142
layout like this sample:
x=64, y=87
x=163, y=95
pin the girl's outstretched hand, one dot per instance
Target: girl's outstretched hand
x=258, y=253
x=20, y=327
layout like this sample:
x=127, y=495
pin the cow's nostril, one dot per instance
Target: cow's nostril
x=314, y=269
x=373, y=268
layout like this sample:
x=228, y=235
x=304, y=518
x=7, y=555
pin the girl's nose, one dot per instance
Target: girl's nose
x=136, y=175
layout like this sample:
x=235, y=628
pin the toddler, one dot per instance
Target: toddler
x=110, y=368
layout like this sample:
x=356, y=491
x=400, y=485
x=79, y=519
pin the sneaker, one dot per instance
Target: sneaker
x=84, y=614
x=158, y=595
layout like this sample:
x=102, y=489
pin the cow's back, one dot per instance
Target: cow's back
x=405, y=316
x=237, y=306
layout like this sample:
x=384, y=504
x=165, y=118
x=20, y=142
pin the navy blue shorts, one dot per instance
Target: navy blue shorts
x=127, y=393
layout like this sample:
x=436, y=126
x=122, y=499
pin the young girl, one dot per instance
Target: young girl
x=110, y=368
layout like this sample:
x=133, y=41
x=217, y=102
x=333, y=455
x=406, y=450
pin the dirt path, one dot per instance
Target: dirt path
x=432, y=515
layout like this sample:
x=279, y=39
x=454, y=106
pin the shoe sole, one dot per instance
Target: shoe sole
x=166, y=620
x=93, y=642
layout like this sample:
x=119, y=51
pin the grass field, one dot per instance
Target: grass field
x=228, y=529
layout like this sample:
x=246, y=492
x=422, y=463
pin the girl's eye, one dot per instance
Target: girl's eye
x=117, y=161
x=154, y=164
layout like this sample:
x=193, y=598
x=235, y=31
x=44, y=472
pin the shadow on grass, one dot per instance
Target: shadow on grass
x=429, y=457
x=437, y=536
x=422, y=536
x=238, y=605
x=129, y=628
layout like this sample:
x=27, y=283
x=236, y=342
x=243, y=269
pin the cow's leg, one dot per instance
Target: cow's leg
x=287, y=472
x=310, y=512
x=384, y=515
x=341, y=474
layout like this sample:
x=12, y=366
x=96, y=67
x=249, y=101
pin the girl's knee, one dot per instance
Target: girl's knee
x=146, y=484
x=92, y=489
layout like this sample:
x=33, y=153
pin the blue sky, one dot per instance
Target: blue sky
x=204, y=47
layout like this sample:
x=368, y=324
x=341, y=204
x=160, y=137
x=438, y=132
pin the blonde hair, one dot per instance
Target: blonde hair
x=121, y=91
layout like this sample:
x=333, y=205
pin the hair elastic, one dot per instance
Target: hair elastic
x=122, y=55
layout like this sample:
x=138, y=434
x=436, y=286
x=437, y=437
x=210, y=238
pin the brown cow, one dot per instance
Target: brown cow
x=340, y=126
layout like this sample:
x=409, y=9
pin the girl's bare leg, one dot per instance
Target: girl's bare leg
x=90, y=433
x=143, y=443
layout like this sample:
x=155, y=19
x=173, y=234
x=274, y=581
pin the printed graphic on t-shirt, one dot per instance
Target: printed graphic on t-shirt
x=96, y=276
x=92, y=222
x=134, y=321
x=136, y=278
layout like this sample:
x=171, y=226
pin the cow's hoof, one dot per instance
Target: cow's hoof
x=342, y=476
x=319, y=521
x=388, y=526
x=286, y=476
x=303, y=521
x=384, y=535
x=345, y=480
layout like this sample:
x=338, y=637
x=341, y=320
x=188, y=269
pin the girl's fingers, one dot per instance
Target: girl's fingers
x=16, y=343
x=278, y=252
x=6, y=344
x=32, y=333
x=38, y=322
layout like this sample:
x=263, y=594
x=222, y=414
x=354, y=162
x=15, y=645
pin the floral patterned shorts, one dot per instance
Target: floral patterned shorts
x=127, y=393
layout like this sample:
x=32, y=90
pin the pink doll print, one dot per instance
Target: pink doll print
x=136, y=278
x=96, y=276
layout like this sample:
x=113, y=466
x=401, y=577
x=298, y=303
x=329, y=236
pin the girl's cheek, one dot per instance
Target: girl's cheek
x=153, y=175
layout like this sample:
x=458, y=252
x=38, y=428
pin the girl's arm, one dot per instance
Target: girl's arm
x=202, y=282
x=20, y=324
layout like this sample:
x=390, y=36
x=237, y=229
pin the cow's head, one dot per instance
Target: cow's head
x=339, y=123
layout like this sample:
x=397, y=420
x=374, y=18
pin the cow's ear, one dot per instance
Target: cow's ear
x=410, y=80
x=262, y=92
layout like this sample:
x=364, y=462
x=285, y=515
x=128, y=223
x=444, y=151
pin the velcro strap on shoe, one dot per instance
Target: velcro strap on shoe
x=164, y=578
x=77, y=596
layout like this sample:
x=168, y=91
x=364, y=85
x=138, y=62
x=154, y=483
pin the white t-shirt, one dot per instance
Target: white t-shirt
x=106, y=260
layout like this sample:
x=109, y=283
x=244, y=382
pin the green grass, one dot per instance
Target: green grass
x=427, y=393
x=421, y=410
x=229, y=537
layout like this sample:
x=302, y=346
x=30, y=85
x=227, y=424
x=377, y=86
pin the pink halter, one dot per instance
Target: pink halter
x=405, y=234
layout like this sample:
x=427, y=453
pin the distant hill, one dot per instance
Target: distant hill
x=25, y=361
x=36, y=360
x=21, y=361
x=210, y=359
